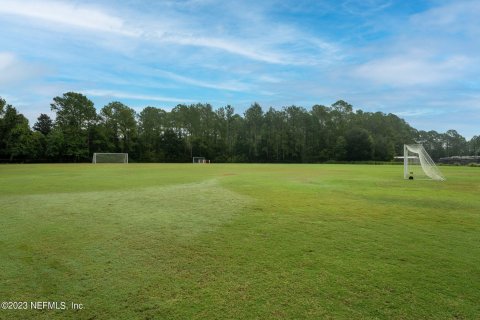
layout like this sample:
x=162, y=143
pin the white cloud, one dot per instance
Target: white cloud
x=13, y=70
x=418, y=112
x=436, y=47
x=126, y=95
x=227, y=85
x=68, y=14
x=410, y=70
x=269, y=79
x=365, y=7
x=254, y=37
x=273, y=50
x=7, y=59
x=232, y=46
x=451, y=17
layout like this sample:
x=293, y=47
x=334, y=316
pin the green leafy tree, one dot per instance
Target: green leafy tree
x=433, y=142
x=209, y=133
x=223, y=146
x=297, y=125
x=55, y=145
x=185, y=121
x=359, y=145
x=275, y=135
x=37, y=146
x=230, y=130
x=456, y=145
x=75, y=115
x=120, y=125
x=74, y=111
x=474, y=146
x=253, y=125
x=383, y=148
x=3, y=105
x=172, y=147
x=292, y=134
x=340, y=149
x=17, y=142
x=322, y=136
x=7, y=121
x=44, y=124
x=341, y=114
x=237, y=126
x=151, y=124
x=16, y=135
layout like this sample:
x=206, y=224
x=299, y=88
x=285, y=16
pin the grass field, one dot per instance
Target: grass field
x=183, y=241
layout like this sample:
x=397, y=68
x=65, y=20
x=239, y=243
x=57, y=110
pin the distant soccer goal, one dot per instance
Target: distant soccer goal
x=200, y=160
x=417, y=164
x=110, y=158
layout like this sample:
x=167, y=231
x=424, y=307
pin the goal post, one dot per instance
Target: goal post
x=417, y=164
x=110, y=158
x=200, y=160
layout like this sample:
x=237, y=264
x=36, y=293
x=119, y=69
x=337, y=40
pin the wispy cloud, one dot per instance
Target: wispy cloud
x=411, y=70
x=174, y=28
x=418, y=112
x=451, y=17
x=365, y=7
x=7, y=60
x=432, y=47
x=229, y=85
x=68, y=14
x=235, y=47
x=14, y=70
x=126, y=95
x=418, y=59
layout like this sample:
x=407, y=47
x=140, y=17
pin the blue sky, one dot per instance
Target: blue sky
x=417, y=59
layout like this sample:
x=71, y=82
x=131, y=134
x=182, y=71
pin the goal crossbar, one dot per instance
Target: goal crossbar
x=200, y=160
x=417, y=163
x=105, y=157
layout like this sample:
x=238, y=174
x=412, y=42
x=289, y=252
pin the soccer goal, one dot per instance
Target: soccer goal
x=110, y=158
x=200, y=160
x=417, y=164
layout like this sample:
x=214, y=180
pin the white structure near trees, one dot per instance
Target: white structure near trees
x=417, y=164
x=110, y=158
x=200, y=160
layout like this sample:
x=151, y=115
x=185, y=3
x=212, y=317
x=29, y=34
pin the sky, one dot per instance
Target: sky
x=418, y=59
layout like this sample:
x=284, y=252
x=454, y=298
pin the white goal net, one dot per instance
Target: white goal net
x=110, y=158
x=417, y=164
x=200, y=160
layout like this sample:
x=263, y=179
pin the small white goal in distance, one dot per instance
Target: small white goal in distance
x=200, y=160
x=417, y=164
x=110, y=158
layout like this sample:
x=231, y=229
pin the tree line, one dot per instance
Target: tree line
x=291, y=134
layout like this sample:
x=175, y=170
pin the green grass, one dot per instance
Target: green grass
x=183, y=241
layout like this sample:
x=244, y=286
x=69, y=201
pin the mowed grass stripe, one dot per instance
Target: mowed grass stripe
x=257, y=241
x=58, y=235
